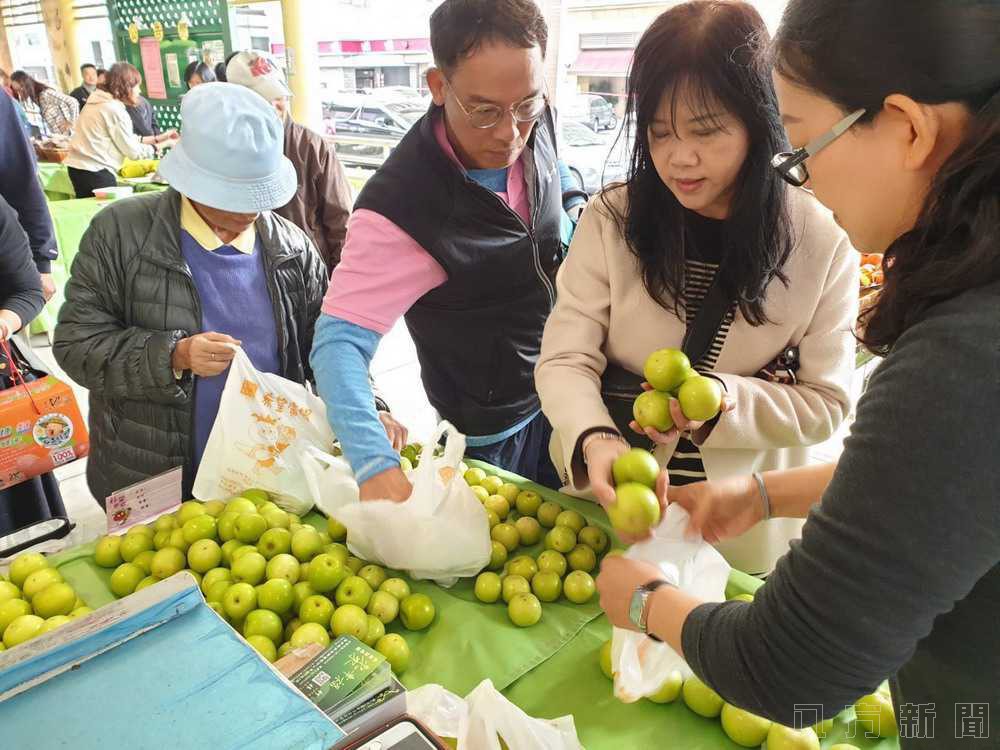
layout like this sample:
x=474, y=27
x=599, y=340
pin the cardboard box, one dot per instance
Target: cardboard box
x=40, y=428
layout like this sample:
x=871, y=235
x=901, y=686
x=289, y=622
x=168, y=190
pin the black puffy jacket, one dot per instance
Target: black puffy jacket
x=130, y=299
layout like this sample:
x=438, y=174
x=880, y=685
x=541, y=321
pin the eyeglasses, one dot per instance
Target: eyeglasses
x=792, y=165
x=485, y=116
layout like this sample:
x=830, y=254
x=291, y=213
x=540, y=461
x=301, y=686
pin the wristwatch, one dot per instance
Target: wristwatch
x=638, y=610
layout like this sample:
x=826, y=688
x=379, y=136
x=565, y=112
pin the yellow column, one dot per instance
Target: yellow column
x=60, y=23
x=302, y=57
x=6, y=63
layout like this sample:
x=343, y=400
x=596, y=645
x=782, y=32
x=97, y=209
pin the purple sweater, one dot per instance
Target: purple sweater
x=234, y=300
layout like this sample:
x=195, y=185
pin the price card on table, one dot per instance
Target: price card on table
x=144, y=501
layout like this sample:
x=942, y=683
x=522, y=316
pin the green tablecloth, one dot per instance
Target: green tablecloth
x=549, y=670
x=70, y=218
x=55, y=181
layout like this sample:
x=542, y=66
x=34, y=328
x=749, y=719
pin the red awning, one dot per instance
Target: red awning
x=609, y=62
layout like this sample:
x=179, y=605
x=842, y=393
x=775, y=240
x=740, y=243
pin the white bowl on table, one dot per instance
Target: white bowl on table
x=113, y=193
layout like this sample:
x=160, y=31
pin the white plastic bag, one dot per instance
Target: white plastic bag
x=330, y=479
x=485, y=716
x=265, y=425
x=441, y=532
x=642, y=665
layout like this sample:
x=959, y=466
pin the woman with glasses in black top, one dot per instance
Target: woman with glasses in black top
x=896, y=112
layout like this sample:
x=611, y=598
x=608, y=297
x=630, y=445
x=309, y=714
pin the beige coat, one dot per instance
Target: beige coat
x=103, y=138
x=603, y=314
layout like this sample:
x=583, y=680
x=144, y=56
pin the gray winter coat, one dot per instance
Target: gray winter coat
x=130, y=299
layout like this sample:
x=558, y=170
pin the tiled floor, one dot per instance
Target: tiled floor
x=397, y=376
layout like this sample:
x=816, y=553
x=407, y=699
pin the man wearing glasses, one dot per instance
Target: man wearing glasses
x=460, y=232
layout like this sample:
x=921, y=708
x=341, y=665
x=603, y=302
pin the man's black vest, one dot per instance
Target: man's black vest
x=478, y=335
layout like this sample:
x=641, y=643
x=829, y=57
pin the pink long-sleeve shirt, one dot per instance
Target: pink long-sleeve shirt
x=383, y=271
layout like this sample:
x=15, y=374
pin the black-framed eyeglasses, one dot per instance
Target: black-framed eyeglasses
x=485, y=116
x=791, y=165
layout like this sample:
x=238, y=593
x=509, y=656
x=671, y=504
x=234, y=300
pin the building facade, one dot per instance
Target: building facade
x=597, y=39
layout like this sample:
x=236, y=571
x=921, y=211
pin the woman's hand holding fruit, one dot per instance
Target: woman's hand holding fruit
x=679, y=422
x=677, y=398
x=630, y=485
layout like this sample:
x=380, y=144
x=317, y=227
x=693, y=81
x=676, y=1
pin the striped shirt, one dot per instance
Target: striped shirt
x=686, y=466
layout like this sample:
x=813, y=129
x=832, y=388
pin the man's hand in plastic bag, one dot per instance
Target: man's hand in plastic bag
x=395, y=431
x=390, y=484
x=599, y=456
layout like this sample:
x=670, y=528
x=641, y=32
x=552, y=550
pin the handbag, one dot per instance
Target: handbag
x=41, y=426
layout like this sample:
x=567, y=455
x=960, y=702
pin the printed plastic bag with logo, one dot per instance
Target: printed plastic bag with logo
x=265, y=425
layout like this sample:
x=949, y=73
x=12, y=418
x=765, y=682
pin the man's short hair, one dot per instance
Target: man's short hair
x=88, y=66
x=460, y=27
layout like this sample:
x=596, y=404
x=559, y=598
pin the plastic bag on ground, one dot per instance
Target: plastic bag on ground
x=440, y=533
x=265, y=425
x=485, y=717
x=642, y=665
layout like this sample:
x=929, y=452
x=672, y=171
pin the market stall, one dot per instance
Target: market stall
x=549, y=670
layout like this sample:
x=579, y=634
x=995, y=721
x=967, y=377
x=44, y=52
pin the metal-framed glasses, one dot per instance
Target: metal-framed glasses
x=791, y=165
x=485, y=116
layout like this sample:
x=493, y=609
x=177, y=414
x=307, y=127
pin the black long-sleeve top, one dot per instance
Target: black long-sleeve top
x=897, y=574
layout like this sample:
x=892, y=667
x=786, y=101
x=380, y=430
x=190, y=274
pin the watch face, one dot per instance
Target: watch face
x=635, y=608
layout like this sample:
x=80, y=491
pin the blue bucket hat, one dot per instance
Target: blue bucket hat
x=231, y=153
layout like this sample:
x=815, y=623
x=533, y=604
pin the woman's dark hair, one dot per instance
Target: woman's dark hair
x=460, y=27
x=707, y=51
x=200, y=69
x=858, y=52
x=220, y=72
x=121, y=79
x=30, y=88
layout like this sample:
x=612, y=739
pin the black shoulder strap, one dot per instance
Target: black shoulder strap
x=707, y=322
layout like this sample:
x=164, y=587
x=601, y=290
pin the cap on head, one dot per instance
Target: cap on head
x=259, y=73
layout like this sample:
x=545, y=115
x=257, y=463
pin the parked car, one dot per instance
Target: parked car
x=597, y=159
x=366, y=128
x=357, y=113
x=592, y=110
x=400, y=94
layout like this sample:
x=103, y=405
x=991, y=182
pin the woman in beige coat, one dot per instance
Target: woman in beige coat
x=701, y=207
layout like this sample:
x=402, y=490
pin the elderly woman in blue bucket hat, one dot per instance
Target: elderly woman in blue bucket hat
x=164, y=284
